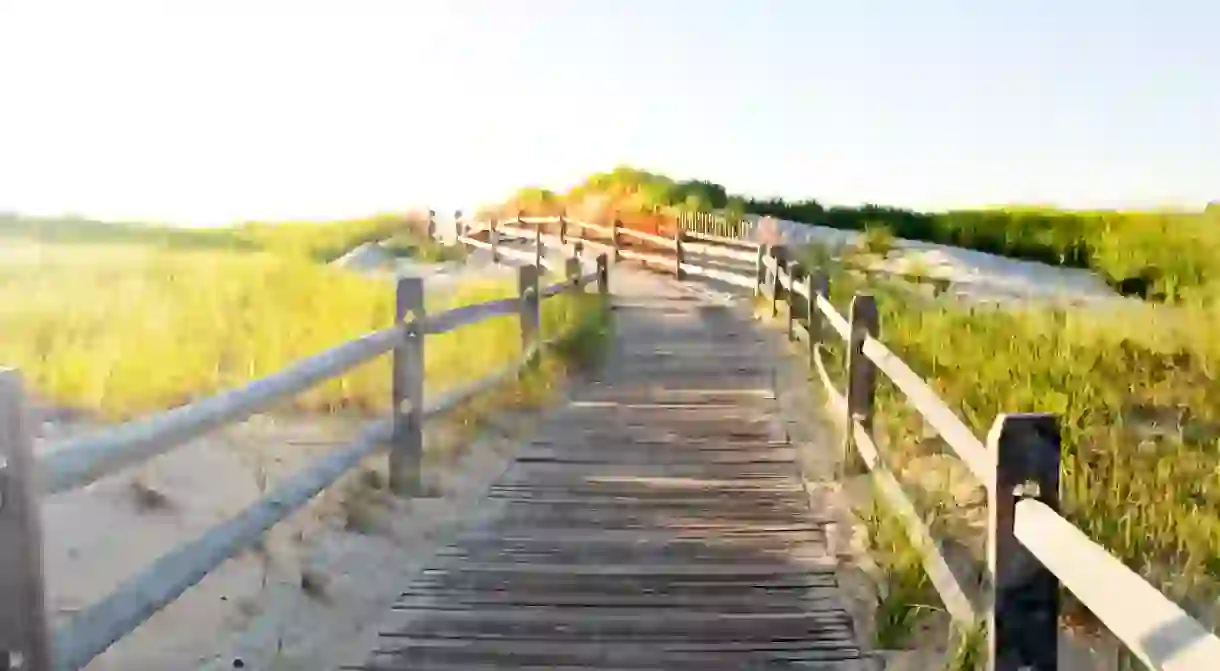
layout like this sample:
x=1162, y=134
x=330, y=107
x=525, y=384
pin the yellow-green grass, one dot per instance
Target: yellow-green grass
x=325, y=241
x=316, y=240
x=1136, y=391
x=123, y=331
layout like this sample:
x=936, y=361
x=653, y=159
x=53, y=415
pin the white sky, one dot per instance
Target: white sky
x=214, y=111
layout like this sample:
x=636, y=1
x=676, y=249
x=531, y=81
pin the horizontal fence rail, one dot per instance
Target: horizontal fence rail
x=1032, y=550
x=725, y=257
x=26, y=641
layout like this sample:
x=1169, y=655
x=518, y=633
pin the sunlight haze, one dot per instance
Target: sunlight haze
x=212, y=112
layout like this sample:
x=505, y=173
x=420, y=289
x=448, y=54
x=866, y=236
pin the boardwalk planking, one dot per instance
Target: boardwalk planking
x=657, y=522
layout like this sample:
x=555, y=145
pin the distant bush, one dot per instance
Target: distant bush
x=1162, y=256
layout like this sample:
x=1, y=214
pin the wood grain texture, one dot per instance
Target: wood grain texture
x=657, y=521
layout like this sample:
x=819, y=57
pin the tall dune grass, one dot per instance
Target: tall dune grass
x=122, y=331
x=1137, y=391
x=316, y=240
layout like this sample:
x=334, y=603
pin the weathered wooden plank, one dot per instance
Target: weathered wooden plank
x=742, y=278
x=812, y=600
x=1158, y=632
x=624, y=454
x=688, y=553
x=77, y=462
x=24, y=640
x=930, y=406
x=816, y=628
x=759, y=536
x=744, y=254
x=644, y=258
x=721, y=240
x=658, y=240
x=677, y=656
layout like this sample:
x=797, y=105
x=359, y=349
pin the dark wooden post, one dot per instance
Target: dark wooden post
x=677, y=251
x=571, y=271
x=563, y=230
x=527, y=288
x=760, y=269
x=493, y=237
x=24, y=642
x=777, y=253
x=614, y=237
x=603, y=275
x=1023, y=621
x=407, y=442
x=816, y=284
x=794, y=275
x=537, y=240
x=861, y=372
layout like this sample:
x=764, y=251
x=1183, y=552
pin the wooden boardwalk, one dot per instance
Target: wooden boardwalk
x=658, y=521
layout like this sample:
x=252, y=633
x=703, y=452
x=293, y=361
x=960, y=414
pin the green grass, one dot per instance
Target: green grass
x=1136, y=392
x=315, y=240
x=413, y=246
x=903, y=594
x=125, y=330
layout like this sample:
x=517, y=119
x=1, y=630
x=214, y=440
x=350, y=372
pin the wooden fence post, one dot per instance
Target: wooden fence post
x=794, y=271
x=603, y=275
x=571, y=268
x=677, y=252
x=1023, y=620
x=494, y=237
x=778, y=256
x=861, y=372
x=563, y=230
x=24, y=643
x=760, y=269
x=537, y=240
x=527, y=288
x=816, y=284
x=407, y=442
x=614, y=237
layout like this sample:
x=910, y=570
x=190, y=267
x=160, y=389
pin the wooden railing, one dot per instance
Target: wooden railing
x=717, y=225
x=26, y=640
x=670, y=254
x=1032, y=551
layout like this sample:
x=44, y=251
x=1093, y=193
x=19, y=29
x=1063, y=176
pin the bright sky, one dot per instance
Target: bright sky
x=221, y=110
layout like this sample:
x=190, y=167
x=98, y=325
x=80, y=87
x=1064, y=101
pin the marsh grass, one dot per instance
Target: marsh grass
x=1135, y=388
x=903, y=594
x=316, y=240
x=125, y=330
x=422, y=249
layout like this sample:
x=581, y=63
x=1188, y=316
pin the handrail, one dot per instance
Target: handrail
x=930, y=406
x=648, y=237
x=74, y=463
x=1155, y=629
